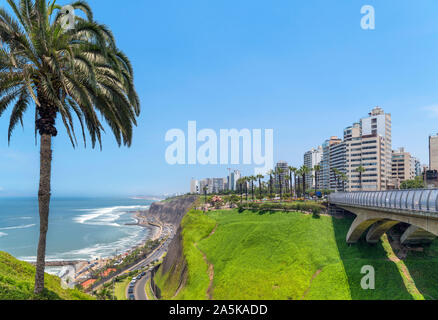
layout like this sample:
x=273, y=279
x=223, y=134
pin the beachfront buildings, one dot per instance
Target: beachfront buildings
x=313, y=158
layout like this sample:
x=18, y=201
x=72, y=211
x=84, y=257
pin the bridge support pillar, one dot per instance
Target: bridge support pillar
x=416, y=235
x=359, y=226
x=379, y=229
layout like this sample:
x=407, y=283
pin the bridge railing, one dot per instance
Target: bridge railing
x=425, y=200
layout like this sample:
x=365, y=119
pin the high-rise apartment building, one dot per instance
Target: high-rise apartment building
x=234, y=176
x=369, y=146
x=218, y=185
x=313, y=158
x=403, y=168
x=194, y=187
x=337, y=162
x=416, y=165
x=206, y=183
x=325, y=162
x=284, y=166
x=433, y=152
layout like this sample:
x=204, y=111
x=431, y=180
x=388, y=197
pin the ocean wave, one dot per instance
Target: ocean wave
x=19, y=227
x=134, y=236
x=2, y=234
x=105, y=216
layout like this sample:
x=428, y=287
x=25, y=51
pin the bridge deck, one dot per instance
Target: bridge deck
x=408, y=201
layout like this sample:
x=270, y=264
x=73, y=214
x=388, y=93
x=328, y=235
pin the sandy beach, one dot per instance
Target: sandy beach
x=78, y=272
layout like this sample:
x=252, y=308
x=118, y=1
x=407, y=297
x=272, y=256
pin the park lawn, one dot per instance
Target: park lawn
x=121, y=287
x=285, y=256
x=17, y=280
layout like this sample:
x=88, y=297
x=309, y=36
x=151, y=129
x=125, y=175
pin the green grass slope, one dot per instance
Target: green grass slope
x=17, y=281
x=287, y=256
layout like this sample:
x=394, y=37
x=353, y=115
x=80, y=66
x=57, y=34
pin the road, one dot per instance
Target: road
x=139, y=288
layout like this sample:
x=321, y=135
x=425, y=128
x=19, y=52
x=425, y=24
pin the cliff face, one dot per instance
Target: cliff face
x=171, y=211
x=174, y=265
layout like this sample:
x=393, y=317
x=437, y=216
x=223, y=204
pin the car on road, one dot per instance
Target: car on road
x=131, y=291
x=143, y=273
x=131, y=297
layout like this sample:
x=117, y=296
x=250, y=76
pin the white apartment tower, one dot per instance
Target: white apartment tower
x=369, y=146
x=313, y=158
x=195, y=187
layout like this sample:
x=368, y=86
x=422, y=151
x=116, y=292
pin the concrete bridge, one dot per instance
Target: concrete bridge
x=377, y=212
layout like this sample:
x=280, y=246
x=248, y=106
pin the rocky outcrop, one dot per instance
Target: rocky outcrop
x=171, y=211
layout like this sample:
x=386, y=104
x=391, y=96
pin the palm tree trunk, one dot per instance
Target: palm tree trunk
x=43, y=204
x=304, y=186
x=295, y=185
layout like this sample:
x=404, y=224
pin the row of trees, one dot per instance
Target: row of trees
x=279, y=181
x=292, y=180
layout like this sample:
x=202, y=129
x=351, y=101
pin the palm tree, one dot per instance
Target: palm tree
x=245, y=181
x=317, y=169
x=252, y=179
x=260, y=177
x=304, y=171
x=360, y=170
x=344, y=179
x=337, y=174
x=240, y=184
x=292, y=170
x=271, y=173
x=62, y=72
x=279, y=172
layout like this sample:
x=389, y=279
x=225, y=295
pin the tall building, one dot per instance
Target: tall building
x=369, y=145
x=218, y=185
x=313, y=158
x=234, y=176
x=325, y=162
x=416, y=165
x=433, y=152
x=337, y=161
x=194, y=187
x=403, y=167
x=284, y=176
x=206, y=183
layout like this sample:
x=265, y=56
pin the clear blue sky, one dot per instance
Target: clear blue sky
x=303, y=68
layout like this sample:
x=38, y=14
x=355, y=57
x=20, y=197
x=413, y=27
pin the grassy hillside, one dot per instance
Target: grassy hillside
x=17, y=281
x=290, y=256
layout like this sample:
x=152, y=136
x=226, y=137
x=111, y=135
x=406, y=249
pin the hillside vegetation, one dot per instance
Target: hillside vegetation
x=290, y=256
x=17, y=282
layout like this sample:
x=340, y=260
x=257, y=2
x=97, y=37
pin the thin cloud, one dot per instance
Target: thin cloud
x=1, y=189
x=432, y=110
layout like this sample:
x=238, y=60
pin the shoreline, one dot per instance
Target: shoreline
x=77, y=267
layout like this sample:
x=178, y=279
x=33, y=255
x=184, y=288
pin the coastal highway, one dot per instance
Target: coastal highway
x=139, y=289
